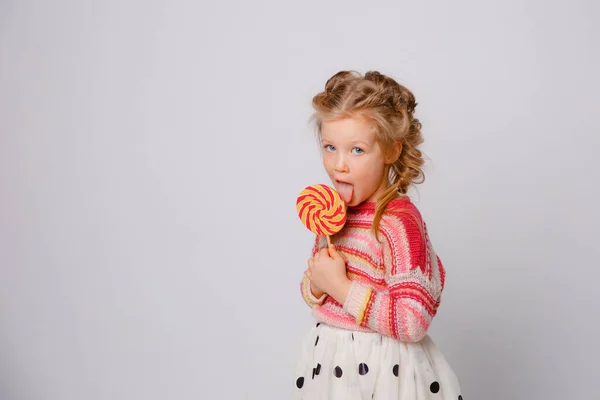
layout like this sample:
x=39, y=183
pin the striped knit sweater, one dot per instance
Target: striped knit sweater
x=396, y=284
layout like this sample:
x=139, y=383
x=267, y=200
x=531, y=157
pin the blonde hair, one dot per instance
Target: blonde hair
x=391, y=106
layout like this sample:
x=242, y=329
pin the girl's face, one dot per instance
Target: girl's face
x=354, y=160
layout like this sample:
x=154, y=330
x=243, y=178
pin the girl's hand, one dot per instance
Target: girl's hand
x=327, y=273
x=315, y=290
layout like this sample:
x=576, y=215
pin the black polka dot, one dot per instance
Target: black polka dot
x=317, y=341
x=313, y=375
x=337, y=372
x=300, y=382
x=395, y=369
x=363, y=369
x=318, y=323
x=353, y=336
x=460, y=397
x=318, y=369
x=434, y=387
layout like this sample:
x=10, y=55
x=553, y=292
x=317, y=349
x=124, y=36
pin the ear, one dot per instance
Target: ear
x=394, y=152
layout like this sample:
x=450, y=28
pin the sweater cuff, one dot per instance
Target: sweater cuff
x=358, y=301
x=308, y=295
x=314, y=299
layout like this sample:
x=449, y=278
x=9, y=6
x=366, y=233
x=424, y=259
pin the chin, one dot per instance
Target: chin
x=354, y=202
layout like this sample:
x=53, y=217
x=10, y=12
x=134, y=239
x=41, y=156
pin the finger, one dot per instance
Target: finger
x=331, y=250
x=310, y=262
x=333, y=253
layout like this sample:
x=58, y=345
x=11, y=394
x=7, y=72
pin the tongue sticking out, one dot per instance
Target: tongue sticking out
x=345, y=190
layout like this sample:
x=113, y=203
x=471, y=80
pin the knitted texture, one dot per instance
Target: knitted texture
x=396, y=284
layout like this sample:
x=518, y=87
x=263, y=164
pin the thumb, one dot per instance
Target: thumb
x=333, y=251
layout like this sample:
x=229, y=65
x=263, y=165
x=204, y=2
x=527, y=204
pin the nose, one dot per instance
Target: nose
x=341, y=165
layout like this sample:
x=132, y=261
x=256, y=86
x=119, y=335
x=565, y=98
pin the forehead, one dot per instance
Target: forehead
x=349, y=129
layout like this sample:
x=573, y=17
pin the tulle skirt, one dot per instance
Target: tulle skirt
x=347, y=365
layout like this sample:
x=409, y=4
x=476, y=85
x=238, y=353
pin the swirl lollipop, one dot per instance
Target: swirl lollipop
x=321, y=210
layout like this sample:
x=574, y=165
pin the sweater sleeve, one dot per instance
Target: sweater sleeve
x=307, y=295
x=414, y=278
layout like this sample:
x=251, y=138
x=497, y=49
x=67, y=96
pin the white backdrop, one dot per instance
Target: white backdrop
x=151, y=154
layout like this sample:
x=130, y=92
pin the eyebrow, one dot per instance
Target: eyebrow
x=355, y=143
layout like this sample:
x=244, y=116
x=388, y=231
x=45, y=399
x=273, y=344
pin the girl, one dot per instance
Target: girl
x=375, y=290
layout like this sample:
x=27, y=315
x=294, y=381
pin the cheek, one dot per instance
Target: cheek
x=373, y=173
x=327, y=162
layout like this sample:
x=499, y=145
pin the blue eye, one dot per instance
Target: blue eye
x=329, y=147
x=358, y=150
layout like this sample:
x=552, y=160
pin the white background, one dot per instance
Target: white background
x=151, y=154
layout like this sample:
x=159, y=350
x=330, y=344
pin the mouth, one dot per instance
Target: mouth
x=345, y=189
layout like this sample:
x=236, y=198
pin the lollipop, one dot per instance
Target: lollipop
x=322, y=210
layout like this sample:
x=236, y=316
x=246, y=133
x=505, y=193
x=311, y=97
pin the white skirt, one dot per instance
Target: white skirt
x=348, y=365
